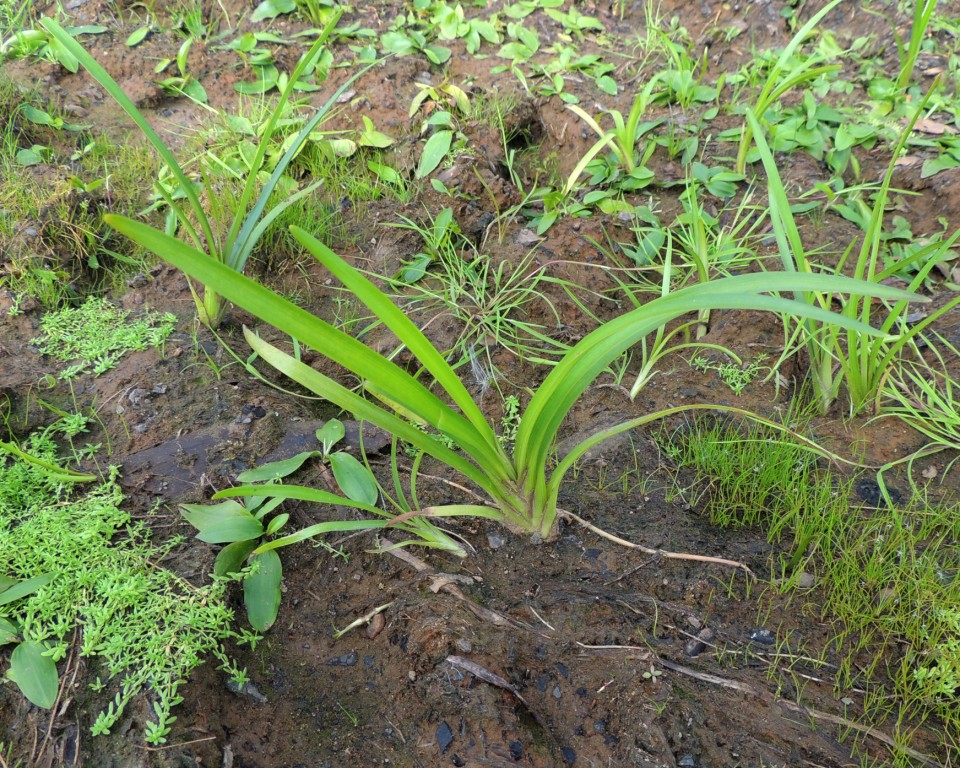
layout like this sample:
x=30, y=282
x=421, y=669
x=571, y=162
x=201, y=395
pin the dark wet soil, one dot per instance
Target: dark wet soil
x=572, y=653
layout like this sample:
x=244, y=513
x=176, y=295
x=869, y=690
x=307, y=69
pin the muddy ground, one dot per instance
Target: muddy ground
x=573, y=653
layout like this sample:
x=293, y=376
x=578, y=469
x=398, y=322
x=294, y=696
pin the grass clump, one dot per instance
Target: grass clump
x=892, y=582
x=147, y=627
x=888, y=577
x=97, y=334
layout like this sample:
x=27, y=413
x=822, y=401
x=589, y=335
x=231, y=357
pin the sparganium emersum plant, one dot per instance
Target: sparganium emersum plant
x=231, y=240
x=522, y=482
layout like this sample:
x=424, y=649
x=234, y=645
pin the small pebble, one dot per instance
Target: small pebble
x=516, y=750
x=495, y=540
x=694, y=622
x=694, y=647
x=248, y=690
x=569, y=756
x=806, y=580
x=557, y=693
x=444, y=737
x=763, y=636
x=464, y=645
x=376, y=625
x=347, y=660
x=687, y=761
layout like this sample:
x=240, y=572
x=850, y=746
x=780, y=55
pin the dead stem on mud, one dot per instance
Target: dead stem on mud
x=656, y=552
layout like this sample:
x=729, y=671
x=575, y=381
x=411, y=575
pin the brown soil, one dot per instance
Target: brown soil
x=588, y=666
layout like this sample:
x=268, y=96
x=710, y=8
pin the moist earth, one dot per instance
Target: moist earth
x=576, y=652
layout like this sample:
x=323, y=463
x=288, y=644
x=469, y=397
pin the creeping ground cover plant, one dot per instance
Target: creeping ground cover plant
x=521, y=482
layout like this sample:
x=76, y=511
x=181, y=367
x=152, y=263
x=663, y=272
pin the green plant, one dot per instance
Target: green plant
x=487, y=298
x=97, y=334
x=183, y=83
x=735, y=375
x=405, y=38
x=890, y=586
x=780, y=79
x=451, y=23
x=682, y=78
x=317, y=12
x=664, y=340
x=445, y=140
x=574, y=22
x=568, y=61
x=77, y=565
x=250, y=217
x=522, y=490
x=622, y=140
x=45, y=44
x=835, y=357
x=927, y=398
x=244, y=528
x=886, y=577
x=922, y=14
x=703, y=246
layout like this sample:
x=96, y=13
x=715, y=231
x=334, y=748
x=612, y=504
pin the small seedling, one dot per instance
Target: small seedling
x=735, y=376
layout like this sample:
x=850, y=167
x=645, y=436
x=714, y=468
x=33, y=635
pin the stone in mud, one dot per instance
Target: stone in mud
x=347, y=660
x=444, y=736
x=806, y=580
x=763, y=636
x=248, y=690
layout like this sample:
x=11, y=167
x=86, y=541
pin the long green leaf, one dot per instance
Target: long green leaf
x=261, y=590
x=330, y=341
x=580, y=367
x=27, y=587
x=110, y=86
x=223, y=523
x=405, y=330
x=334, y=526
x=34, y=673
x=366, y=411
x=770, y=90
